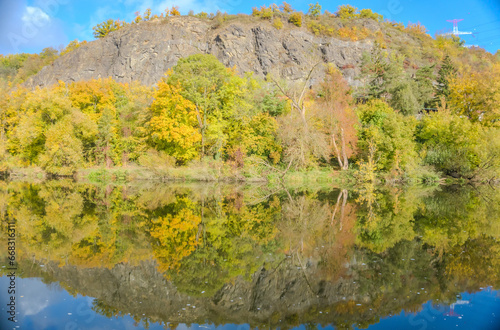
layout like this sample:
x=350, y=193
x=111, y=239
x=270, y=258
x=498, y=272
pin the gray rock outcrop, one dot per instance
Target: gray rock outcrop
x=144, y=52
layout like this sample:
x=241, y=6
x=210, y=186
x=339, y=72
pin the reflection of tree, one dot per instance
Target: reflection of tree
x=176, y=233
x=232, y=238
x=386, y=217
x=452, y=216
x=312, y=230
x=474, y=264
x=60, y=221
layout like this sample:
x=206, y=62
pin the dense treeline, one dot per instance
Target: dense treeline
x=417, y=116
x=202, y=111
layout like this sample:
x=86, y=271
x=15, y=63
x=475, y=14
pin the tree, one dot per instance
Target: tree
x=298, y=102
x=368, y=13
x=174, y=125
x=175, y=11
x=147, y=14
x=334, y=109
x=213, y=90
x=446, y=72
x=29, y=138
x=286, y=8
x=63, y=151
x=403, y=98
x=105, y=143
x=458, y=147
x=302, y=145
x=103, y=29
x=373, y=68
x=347, y=12
x=388, y=136
x=314, y=10
x=476, y=95
x=424, y=78
x=72, y=46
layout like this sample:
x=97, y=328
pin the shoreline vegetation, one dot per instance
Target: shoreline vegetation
x=321, y=177
x=419, y=115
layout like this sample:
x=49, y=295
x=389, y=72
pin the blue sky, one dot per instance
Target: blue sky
x=31, y=25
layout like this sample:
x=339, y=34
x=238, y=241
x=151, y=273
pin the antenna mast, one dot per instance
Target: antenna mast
x=455, y=28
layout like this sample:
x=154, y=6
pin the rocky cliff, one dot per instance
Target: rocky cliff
x=145, y=51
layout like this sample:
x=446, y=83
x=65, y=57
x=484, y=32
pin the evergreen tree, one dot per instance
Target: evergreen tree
x=403, y=97
x=373, y=68
x=424, y=82
x=445, y=73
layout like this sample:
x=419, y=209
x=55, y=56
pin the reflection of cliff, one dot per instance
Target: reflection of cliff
x=280, y=293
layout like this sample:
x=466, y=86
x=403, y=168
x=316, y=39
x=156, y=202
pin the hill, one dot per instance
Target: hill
x=144, y=51
x=254, y=96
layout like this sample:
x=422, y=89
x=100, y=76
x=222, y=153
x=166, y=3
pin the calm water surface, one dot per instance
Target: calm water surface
x=244, y=257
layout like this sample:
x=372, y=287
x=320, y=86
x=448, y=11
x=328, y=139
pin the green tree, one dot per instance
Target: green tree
x=314, y=10
x=214, y=91
x=389, y=135
x=458, y=147
x=424, y=78
x=374, y=66
x=403, y=98
x=446, y=72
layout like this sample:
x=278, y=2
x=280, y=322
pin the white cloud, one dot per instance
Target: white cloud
x=35, y=16
x=28, y=28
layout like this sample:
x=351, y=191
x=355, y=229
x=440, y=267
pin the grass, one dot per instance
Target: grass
x=27, y=173
x=225, y=172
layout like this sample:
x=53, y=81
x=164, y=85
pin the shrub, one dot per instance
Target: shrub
x=103, y=29
x=202, y=15
x=72, y=46
x=175, y=11
x=296, y=19
x=314, y=10
x=277, y=23
x=347, y=12
x=264, y=12
x=416, y=28
x=368, y=13
x=353, y=33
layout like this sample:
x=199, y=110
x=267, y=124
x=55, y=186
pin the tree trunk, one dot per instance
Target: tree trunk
x=346, y=161
x=337, y=152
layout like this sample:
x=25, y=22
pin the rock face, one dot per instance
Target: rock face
x=145, y=51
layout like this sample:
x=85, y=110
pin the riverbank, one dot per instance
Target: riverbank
x=227, y=174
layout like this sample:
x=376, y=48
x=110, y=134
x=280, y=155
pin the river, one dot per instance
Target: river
x=205, y=256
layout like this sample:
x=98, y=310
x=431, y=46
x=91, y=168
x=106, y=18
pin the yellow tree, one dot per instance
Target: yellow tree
x=174, y=125
x=103, y=29
x=63, y=151
x=477, y=95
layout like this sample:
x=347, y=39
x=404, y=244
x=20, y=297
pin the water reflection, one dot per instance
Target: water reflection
x=200, y=254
